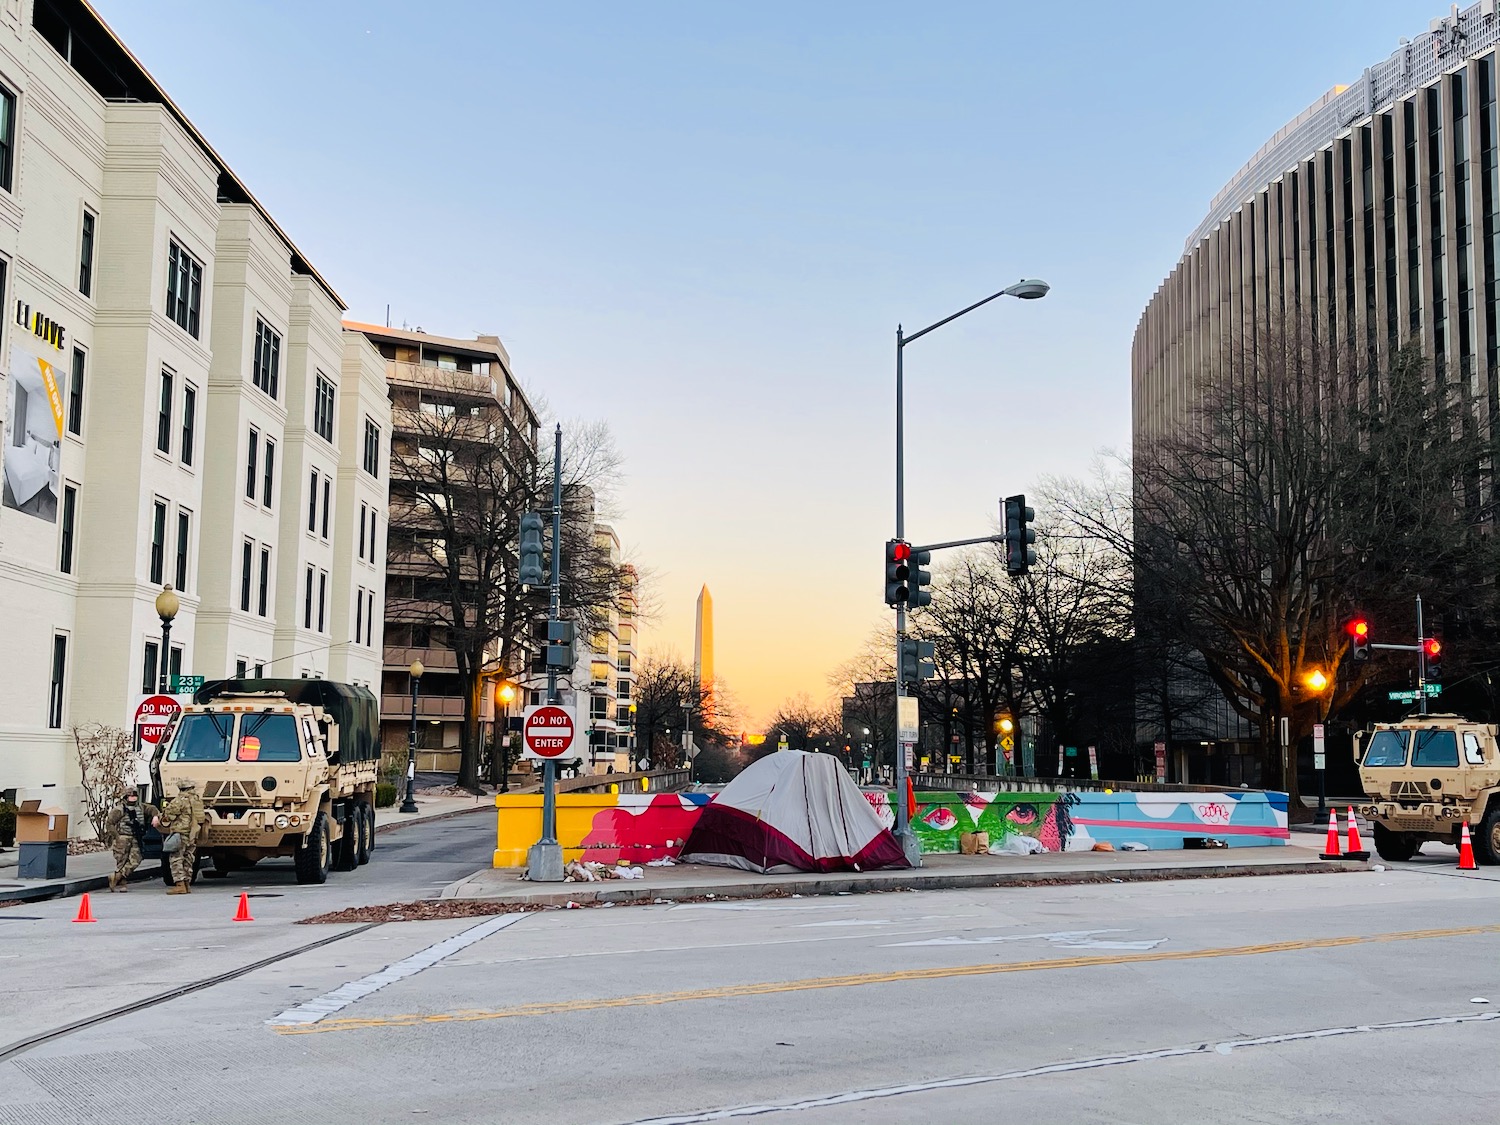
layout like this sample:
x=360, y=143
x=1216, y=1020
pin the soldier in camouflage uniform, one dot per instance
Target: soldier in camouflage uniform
x=127, y=822
x=184, y=815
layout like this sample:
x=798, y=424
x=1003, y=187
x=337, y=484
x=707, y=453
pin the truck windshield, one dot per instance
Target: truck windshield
x=1387, y=748
x=268, y=738
x=1435, y=748
x=201, y=738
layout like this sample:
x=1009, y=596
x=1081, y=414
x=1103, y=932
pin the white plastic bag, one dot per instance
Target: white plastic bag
x=1017, y=845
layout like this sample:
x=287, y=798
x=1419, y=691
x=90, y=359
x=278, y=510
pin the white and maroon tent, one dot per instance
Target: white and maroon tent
x=792, y=811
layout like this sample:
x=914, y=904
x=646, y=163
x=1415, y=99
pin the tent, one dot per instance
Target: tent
x=792, y=811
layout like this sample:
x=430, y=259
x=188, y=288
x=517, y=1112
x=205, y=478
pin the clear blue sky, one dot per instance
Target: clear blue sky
x=702, y=222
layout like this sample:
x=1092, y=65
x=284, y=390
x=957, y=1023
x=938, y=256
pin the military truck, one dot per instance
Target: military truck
x=1425, y=777
x=284, y=767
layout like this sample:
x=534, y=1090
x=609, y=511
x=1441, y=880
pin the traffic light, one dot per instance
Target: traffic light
x=560, y=644
x=1359, y=639
x=530, y=572
x=897, y=571
x=1019, y=536
x=919, y=595
x=917, y=660
x=1432, y=658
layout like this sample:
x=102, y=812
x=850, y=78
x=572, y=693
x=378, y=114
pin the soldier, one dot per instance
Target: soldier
x=182, y=814
x=127, y=823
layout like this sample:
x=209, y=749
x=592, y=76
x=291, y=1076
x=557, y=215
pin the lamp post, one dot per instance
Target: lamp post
x=505, y=692
x=631, y=744
x=1026, y=290
x=167, y=605
x=410, y=804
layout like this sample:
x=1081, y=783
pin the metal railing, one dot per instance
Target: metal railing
x=963, y=783
x=661, y=781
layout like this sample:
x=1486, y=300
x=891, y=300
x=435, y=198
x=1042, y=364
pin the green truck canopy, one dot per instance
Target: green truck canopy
x=353, y=708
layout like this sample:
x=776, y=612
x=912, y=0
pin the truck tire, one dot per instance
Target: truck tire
x=313, y=858
x=1395, y=846
x=366, y=835
x=1487, y=843
x=346, y=847
x=370, y=837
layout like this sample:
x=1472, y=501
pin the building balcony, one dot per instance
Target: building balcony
x=426, y=376
x=396, y=707
x=433, y=659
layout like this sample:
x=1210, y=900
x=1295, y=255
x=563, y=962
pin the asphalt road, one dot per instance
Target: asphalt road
x=1287, y=999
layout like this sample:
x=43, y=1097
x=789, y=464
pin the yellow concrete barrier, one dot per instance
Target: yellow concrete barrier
x=518, y=823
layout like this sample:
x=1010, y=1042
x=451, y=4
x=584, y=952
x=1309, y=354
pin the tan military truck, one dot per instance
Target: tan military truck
x=284, y=767
x=1424, y=777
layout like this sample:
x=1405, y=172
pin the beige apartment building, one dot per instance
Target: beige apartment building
x=179, y=404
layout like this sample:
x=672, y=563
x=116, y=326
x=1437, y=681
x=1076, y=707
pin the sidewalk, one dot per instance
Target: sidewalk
x=691, y=880
x=91, y=872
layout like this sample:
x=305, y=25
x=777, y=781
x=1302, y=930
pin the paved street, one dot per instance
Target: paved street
x=1163, y=1002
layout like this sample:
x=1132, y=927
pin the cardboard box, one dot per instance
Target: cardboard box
x=38, y=825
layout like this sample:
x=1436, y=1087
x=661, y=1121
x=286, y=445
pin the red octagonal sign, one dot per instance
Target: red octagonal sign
x=548, y=731
x=152, y=716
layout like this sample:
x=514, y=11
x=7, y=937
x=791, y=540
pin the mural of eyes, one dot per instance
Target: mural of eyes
x=1022, y=814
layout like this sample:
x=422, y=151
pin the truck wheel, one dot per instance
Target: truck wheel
x=365, y=823
x=1487, y=843
x=346, y=847
x=313, y=858
x=370, y=830
x=1395, y=846
x=222, y=865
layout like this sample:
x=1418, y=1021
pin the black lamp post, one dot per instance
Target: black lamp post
x=410, y=804
x=167, y=606
x=504, y=693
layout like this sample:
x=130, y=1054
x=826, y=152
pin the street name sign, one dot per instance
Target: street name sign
x=547, y=732
x=1413, y=696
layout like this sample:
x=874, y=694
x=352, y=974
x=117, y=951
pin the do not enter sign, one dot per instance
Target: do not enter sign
x=152, y=715
x=548, y=732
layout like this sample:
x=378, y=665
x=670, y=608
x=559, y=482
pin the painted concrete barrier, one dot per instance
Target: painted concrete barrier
x=639, y=827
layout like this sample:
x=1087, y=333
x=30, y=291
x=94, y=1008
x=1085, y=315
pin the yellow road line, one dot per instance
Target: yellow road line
x=726, y=992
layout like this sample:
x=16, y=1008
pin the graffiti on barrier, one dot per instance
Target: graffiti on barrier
x=642, y=827
x=941, y=819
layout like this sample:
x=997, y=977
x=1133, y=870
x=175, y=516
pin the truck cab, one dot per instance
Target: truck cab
x=1427, y=776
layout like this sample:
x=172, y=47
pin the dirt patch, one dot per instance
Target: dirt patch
x=86, y=847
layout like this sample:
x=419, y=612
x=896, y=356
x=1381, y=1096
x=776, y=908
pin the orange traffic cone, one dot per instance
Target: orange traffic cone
x=243, y=913
x=1331, y=849
x=1355, y=850
x=85, y=914
x=1466, y=851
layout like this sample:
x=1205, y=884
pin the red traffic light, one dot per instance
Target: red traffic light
x=900, y=551
x=1433, y=646
x=1359, y=628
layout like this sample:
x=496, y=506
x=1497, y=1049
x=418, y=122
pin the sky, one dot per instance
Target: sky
x=702, y=222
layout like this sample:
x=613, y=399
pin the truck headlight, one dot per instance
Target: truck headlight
x=296, y=820
x=281, y=822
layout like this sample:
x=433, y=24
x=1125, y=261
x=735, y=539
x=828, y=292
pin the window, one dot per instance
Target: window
x=265, y=367
x=164, y=414
x=189, y=422
x=174, y=667
x=268, y=738
x=251, y=476
x=75, y=393
x=270, y=471
x=322, y=597
x=263, y=595
x=184, y=288
x=372, y=447
x=86, y=256
x=158, y=541
x=323, y=409
x=327, y=503
x=1435, y=748
x=184, y=529
x=59, y=673
x=363, y=511
x=201, y=738
x=260, y=670
x=240, y=668
x=247, y=552
x=370, y=618
x=359, y=615
x=69, y=518
x=7, y=137
x=1473, y=753
x=307, y=600
x=312, y=500
x=149, y=681
x=373, y=556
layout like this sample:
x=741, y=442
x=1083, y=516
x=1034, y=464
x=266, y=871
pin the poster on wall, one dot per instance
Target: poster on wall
x=31, y=442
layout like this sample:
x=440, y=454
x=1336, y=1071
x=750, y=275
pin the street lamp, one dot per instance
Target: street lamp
x=1028, y=289
x=504, y=694
x=167, y=606
x=1316, y=680
x=410, y=804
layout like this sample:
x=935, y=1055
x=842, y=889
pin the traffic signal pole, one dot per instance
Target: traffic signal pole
x=544, y=860
x=910, y=846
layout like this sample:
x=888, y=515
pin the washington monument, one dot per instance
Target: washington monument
x=703, y=648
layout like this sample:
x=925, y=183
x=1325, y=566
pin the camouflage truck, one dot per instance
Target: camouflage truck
x=284, y=767
x=1427, y=775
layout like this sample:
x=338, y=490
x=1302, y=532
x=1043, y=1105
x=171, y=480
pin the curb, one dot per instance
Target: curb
x=397, y=825
x=835, y=885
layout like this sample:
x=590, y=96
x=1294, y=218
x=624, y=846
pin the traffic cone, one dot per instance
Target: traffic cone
x=1331, y=849
x=85, y=914
x=243, y=913
x=1355, y=850
x=1466, y=851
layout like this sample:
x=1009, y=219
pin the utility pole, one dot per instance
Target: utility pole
x=544, y=860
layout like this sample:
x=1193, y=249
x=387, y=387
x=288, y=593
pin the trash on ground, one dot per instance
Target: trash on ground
x=1016, y=845
x=577, y=872
x=973, y=843
x=1134, y=846
x=1103, y=846
x=1478, y=1000
x=664, y=861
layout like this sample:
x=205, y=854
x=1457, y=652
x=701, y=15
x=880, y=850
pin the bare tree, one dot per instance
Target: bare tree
x=867, y=689
x=108, y=760
x=805, y=724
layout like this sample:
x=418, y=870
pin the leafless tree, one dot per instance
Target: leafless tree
x=805, y=724
x=108, y=760
x=867, y=691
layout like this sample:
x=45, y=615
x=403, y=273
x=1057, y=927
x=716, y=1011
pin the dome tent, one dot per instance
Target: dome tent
x=792, y=811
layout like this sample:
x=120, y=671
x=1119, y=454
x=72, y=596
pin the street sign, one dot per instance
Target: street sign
x=1007, y=743
x=1319, y=758
x=1161, y=763
x=186, y=685
x=907, y=719
x=547, y=732
x=152, y=714
x=1094, y=763
x=1413, y=696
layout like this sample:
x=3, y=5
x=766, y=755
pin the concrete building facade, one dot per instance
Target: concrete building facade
x=174, y=372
